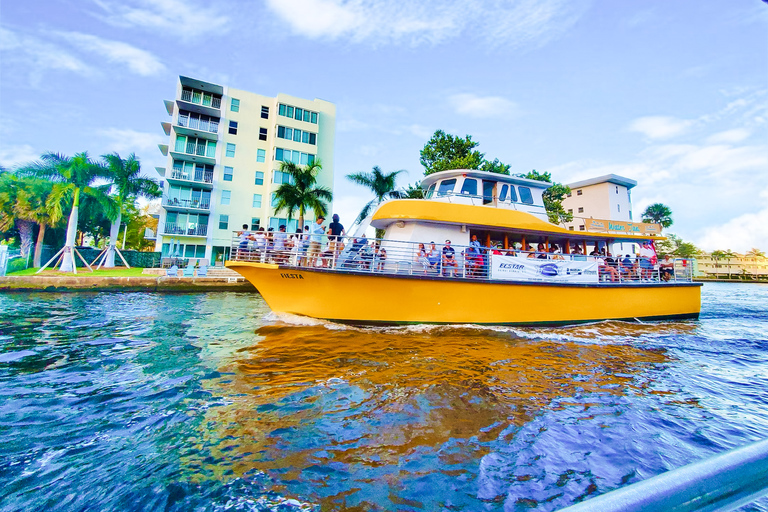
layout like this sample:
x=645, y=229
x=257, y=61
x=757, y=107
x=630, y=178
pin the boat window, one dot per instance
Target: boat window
x=503, y=193
x=446, y=187
x=431, y=190
x=512, y=194
x=525, y=195
x=488, y=191
x=469, y=187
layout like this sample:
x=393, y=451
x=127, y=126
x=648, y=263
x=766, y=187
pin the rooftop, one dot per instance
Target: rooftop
x=608, y=178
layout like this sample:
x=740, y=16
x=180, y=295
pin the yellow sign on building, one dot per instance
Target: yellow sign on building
x=617, y=226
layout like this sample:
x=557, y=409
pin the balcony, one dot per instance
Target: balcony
x=201, y=102
x=194, y=152
x=198, y=127
x=199, y=177
x=186, y=205
x=171, y=228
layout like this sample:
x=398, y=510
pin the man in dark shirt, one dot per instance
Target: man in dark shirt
x=449, y=259
x=335, y=233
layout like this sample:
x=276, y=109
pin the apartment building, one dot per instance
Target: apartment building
x=735, y=266
x=223, y=163
x=605, y=197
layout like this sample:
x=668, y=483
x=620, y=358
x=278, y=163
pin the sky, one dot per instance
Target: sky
x=672, y=94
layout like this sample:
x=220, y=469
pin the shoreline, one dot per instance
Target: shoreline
x=145, y=283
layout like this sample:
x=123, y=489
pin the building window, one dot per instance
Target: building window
x=255, y=223
x=256, y=201
x=223, y=221
x=569, y=194
x=228, y=171
x=570, y=228
x=264, y=112
x=262, y=134
x=234, y=105
x=225, y=196
x=233, y=127
x=286, y=155
x=281, y=177
x=570, y=210
x=619, y=207
x=578, y=192
x=296, y=135
x=276, y=222
x=259, y=178
x=261, y=155
x=230, y=150
x=314, y=118
x=274, y=200
x=581, y=209
x=299, y=114
x=582, y=228
x=617, y=190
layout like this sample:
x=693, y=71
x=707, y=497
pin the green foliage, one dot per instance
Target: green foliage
x=495, y=166
x=302, y=194
x=553, y=197
x=676, y=246
x=381, y=184
x=445, y=151
x=413, y=192
x=658, y=213
x=755, y=253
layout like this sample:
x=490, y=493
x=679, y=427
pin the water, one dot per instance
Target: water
x=208, y=402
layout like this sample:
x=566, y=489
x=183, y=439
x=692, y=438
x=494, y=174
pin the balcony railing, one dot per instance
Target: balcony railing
x=198, y=176
x=199, y=124
x=199, y=98
x=197, y=204
x=171, y=228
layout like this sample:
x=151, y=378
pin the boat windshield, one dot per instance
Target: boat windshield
x=446, y=187
x=525, y=195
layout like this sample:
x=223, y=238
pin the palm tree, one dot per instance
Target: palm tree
x=302, y=194
x=127, y=185
x=77, y=175
x=658, y=213
x=382, y=185
x=10, y=215
x=755, y=253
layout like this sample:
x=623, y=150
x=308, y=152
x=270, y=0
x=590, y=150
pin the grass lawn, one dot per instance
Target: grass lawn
x=82, y=271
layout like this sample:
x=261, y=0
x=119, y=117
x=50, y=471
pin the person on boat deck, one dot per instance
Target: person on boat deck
x=554, y=254
x=245, y=237
x=608, y=267
x=297, y=246
x=433, y=256
x=542, y=252
x=627, y=266
x=421, y=257
x=450, y=265
x=335, y=234
x=473, y=257
x=647, y=260
x=304, y=245
x=315, y=239
x=280, y=238
x=529, y=249
x=379, y=257
x=667, y=268
x=260, y=241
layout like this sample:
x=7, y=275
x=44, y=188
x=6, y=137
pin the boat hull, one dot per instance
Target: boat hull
x=369, y=298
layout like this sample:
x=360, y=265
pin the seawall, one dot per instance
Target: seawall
x=72, y=283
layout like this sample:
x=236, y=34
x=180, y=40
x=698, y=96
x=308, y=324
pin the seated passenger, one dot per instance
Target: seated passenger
x=433, y=256
x=531, y=254
x=609, y=268
x=450, y=265
x=421, y=257
x=667, y=268
x=554, y=255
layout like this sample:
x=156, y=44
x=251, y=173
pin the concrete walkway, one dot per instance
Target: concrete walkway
x=145, y=283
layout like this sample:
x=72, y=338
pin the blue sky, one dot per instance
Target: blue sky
x=672, y=94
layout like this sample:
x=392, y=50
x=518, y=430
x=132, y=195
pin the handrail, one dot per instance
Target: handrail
x=719, y=483
x=476, y=262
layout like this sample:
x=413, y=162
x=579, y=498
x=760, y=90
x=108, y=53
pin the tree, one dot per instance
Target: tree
x=302, y=194
x=127, y=185
x=10, y=215
x=676, y=246
x=658, y=213
x=495, y=166
x=381, y=184
x=77, y=175
x=755, y=253
x=553, y=197
x=445, y=151
x=413, y=192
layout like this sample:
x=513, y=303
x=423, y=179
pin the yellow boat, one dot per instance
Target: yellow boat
x=487, y=274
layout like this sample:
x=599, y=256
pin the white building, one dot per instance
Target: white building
x=223, y=161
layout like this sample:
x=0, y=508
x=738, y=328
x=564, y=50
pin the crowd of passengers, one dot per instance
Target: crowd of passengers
x=318, y=246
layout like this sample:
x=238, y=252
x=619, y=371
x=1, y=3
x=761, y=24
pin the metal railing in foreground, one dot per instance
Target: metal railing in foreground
x=723, y=482
x=448, y=260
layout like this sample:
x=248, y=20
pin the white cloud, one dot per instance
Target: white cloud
x=139, y=61
x=514, y=22
x=36, y=56
x=481, y=106
x=739, y=234
x=11, y=156
x=420, y=131
x=185, y=19
x=660, y=127
x=729, y=136
x=132, y=141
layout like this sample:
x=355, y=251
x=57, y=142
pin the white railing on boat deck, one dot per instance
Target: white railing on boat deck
x=352, y=254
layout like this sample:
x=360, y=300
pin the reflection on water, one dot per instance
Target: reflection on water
x=205, y=402
x=344, y=409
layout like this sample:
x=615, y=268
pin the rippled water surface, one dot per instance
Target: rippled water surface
x=143, y=401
